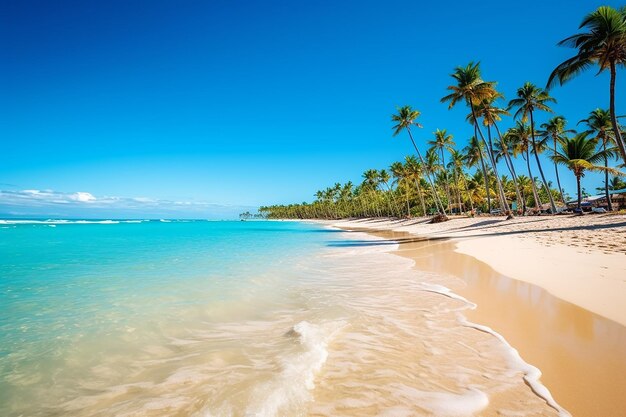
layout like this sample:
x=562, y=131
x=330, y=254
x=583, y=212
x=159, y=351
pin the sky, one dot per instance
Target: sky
x=209, y=108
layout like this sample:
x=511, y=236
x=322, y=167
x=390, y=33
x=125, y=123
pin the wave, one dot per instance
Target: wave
x=291, y=387
x=63, y=221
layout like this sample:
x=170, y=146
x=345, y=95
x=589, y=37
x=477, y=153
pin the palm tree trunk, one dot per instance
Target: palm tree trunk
x=532, y=181
x=469, y=195
x=408, y=206
x=558, y=180
x=606, y=178
x=543, y=177
x=509, y=165
x=616, y=129
x=579, y=192
x=419, y=191
x=395, y=201
x=486, y=177
x=458, y=189
x=503, y=202
x=445, y=177
x=388, y=200
x=432, y=185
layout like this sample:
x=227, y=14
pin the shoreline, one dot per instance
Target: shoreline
x=579, y=260
x=565, y=340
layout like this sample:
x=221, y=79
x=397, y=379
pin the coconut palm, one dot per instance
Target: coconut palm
x=604, y=44
x=555, y=131
x=443, y=141
x=414, y=172
x=615, y=183
x=457, y=162
x=404, y=120
x=599, y=125
x=472, y=90
x=478, y=194
x=491, y=114
x=371, y=180
x=580, y=154
x=531, y=98
x=519, y=136
x=400, y=174
x=526, y=188
x=474, y=156
x=503, y=149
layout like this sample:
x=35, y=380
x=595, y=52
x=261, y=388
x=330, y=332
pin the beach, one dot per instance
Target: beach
x=552, y=286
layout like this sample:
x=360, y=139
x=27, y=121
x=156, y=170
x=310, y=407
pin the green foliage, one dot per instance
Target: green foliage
x=468, y=180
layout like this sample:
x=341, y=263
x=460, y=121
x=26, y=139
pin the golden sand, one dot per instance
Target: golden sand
x=582, y=355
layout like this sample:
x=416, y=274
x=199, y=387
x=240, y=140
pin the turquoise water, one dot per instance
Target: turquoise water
x=236, y=319
x=69, y=277
x=74, y=295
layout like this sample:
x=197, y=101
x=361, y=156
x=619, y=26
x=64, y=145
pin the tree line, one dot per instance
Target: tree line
x=439, y=178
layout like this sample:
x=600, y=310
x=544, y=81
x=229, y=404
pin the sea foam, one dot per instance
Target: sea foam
x=290, y=389
x=531, y=374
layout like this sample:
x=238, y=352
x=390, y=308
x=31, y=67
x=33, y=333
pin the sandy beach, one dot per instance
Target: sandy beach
x=553, y=287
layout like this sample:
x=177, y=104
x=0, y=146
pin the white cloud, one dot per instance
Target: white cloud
x=85, y=204
x=82, y=196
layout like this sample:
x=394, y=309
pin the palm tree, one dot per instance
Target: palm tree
x=580, y=154
x=432, y=166
x=615, y=183
x=492, y=114
x=404, y=120
x=603, y=44
x=599, y=124
x=520, y=138
x=371, y=180
x=457, y=161
x=555, y=130
x=503, y=149
x=384, y=178
x=471, y=89
x=400, y=174
x=443, y=140
x=414, y=172
x=526, y=188
x=477, y=194
x=531, y=98
x=474, y=156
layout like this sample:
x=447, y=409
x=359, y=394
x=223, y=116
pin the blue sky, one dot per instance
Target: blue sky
x=238, y=104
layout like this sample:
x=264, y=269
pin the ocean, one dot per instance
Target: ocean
x=199, y=318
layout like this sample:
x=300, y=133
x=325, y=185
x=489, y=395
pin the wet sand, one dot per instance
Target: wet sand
x=582, y=355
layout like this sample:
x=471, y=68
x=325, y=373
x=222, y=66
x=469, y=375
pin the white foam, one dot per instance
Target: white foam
x=440, y=289
x=531, y=373
x=441, y=403
x=290, y=389
x=58, y=221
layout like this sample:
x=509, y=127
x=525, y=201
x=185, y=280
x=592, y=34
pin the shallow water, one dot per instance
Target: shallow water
x=237, y=319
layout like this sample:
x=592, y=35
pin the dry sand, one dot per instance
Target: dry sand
x=564, y=309
x=580, y=259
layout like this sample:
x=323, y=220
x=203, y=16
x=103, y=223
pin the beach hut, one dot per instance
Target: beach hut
x=618, y=198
